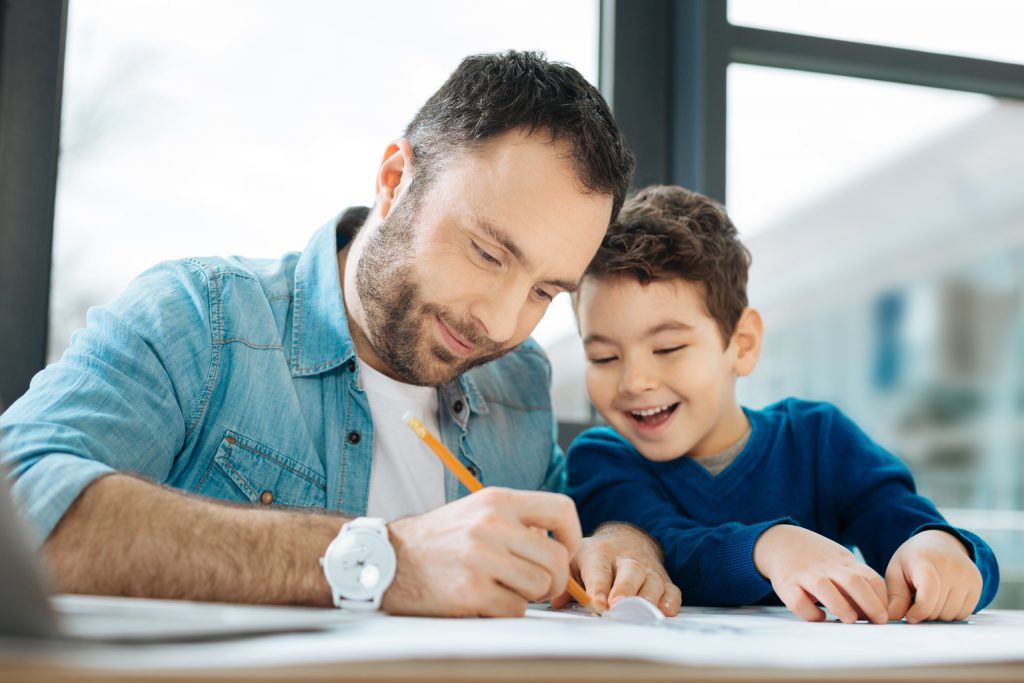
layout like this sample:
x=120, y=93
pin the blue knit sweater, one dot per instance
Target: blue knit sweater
x=805, y=463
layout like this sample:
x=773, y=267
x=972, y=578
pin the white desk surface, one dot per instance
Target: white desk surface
x=748, y=644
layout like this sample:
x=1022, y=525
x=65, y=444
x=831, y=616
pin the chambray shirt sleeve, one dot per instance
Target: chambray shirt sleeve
x=122, y=398
x=878, y=505
x=712, y=565
x=557, y=479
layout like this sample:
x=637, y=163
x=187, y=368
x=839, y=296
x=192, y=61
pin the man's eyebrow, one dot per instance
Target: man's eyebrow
x=505, y=240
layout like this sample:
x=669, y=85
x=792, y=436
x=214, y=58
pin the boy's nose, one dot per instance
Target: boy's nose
x=637, y=379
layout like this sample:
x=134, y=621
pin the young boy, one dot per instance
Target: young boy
x=750, y=506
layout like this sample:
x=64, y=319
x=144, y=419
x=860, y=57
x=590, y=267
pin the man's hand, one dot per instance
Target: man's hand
x=805, y=568
x=933, y=571
x=620, y=560
x=483, y=555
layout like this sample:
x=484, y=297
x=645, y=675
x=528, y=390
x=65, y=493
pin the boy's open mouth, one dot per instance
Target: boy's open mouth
x=652, y=417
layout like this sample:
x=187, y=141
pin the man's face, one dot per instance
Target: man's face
x=462, y=273
x=656, y=367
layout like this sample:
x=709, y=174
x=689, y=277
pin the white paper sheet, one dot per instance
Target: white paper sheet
x=748, y=637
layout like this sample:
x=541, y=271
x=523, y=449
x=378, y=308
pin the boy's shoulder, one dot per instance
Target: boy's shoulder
x=800, y=413
x=808, y=423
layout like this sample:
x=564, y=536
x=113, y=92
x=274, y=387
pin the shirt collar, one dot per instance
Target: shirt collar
x=321, y=339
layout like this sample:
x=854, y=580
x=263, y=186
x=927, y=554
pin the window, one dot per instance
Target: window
x=987, y=29
x=198, y=128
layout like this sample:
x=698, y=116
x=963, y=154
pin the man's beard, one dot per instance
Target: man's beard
x=398, y=322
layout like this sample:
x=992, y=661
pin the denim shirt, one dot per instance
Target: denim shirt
x=237, y=379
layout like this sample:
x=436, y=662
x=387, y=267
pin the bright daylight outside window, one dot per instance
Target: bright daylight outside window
x=231, y=127
x=987, y=29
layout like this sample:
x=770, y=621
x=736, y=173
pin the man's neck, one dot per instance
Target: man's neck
x=354, y=310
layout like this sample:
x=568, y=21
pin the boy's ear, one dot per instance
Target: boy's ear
x=393, y=175
x=747, y=341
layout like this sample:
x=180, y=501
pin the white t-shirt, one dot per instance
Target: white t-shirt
x=406, y=477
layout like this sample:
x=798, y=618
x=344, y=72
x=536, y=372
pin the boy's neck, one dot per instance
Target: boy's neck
x=729, y=430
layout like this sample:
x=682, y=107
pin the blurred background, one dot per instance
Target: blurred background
x=870, y=152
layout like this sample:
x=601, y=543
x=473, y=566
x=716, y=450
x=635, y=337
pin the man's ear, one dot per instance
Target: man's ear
x=747, y=341
x=393, y=175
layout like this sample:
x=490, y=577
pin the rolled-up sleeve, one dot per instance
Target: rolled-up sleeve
x=124, y=396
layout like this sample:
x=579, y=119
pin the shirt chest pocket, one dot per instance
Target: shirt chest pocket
x=244, y=470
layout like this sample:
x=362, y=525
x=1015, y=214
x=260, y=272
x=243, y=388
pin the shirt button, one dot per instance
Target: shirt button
x=457, y=406
x=351, y=365
x=266, y=497
x=353, y=437
x=474, y=470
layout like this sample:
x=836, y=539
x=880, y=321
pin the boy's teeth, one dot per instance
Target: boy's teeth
x=649, y=411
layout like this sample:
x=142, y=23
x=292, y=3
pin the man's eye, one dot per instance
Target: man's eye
x=485, y=256
x=542, y=294
x=670, y=350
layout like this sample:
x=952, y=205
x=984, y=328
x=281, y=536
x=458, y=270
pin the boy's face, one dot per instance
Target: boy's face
x=656, y=367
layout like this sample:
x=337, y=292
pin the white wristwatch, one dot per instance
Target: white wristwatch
x=359, y=564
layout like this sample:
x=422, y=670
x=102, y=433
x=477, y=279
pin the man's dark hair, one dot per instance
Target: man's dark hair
x=666, y=231
x=491, y=94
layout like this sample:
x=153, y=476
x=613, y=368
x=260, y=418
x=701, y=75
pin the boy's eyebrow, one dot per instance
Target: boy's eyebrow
x=505, y=240
x=667, y=326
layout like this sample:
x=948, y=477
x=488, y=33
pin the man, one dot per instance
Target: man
x=281, y=384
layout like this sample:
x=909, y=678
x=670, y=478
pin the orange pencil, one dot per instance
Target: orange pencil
x=473, y=484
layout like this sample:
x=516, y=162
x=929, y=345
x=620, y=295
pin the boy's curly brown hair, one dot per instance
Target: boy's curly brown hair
x=666, y=231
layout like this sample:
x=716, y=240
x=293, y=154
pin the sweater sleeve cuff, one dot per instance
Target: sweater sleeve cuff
x=972, y=549
x=737, y=561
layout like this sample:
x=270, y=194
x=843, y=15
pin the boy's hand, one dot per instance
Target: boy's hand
x=805, y=568
x=618, y=561
x=934, y=571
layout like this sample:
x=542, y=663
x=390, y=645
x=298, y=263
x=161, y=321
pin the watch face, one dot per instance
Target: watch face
x=359, y=563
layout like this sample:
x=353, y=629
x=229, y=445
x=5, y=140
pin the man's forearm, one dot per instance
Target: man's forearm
x=124, y=536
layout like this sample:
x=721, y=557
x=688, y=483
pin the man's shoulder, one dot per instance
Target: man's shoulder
x=519, y=379
x=273, y=277
x=215, y=298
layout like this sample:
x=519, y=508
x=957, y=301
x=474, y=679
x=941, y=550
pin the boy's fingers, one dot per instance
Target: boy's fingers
x=899, y=593
x=927, y=593
x=967, y=608
x=869, y=601
x=827, y=594
x=799, y=603
x=954, y=603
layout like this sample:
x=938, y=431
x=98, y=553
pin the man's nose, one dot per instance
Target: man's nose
x=499, y=310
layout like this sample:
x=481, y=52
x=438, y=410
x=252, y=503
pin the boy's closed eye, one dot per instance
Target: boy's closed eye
x=671, y=349
x=603, y=360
